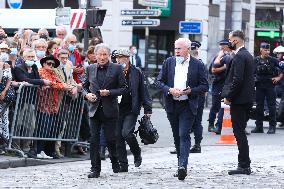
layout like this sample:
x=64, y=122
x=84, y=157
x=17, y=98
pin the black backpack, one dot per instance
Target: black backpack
x=147, y=132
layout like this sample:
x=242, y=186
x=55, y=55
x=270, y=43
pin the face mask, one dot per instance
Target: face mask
x=231, y=46
x=179, y=59
x=135, y=51
x=4, y=57
x=123, y=65
x=71, y=48
x=14, y=51
x=40, y=54
x=29, y=63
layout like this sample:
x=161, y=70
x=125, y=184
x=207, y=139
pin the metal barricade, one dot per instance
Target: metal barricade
x=46, y=114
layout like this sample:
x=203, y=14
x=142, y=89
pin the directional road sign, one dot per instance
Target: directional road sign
x=66, y=11
x=141, y=12
x=141, y=22
x=190, y=27
x=154, y=3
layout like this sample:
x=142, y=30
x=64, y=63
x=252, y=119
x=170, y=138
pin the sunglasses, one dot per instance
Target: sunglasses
x=50, y=63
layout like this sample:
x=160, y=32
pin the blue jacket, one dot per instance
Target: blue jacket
x=196, y=80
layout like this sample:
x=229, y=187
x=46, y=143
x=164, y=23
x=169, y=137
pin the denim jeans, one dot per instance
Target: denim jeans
x=197, y=126
x=181, y=121
x=220, y=119
x=125, y=132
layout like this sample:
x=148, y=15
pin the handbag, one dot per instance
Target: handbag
x=147, y=132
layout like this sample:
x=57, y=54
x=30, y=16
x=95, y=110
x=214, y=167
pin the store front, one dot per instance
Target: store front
x=268, y=28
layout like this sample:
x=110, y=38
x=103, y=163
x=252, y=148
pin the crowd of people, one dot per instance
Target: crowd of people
x=114, y=89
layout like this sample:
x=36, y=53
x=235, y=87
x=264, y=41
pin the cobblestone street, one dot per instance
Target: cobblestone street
x=206, y=170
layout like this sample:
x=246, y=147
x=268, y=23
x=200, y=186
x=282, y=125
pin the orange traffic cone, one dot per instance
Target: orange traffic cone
x=227, y=135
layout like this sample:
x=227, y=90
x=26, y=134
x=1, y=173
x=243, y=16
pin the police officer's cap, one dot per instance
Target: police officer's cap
x=264, y=45
x=224, y=42
x=195, y=45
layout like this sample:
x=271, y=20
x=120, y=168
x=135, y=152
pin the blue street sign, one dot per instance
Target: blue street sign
x=15, y=4
x=190, y=27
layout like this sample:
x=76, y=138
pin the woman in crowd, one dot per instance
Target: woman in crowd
x=48, y=107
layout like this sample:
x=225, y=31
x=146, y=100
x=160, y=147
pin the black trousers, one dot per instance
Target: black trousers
x=239, y=115
x=109, y=124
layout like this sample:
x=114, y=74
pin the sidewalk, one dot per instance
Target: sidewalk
x=13, y=162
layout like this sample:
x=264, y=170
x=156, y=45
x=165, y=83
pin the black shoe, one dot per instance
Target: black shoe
x=195, y=149
x=240, y=170
x=182, y=173
x=257, y=130
x=103, y=153
x=137, y=160
x=94, y=174
x=271, y=130
x=173, y=152
x=123, y=168
x=55, y=156
x=247, y=133
x=211, y=128
x=115, y=167
x=217, y=131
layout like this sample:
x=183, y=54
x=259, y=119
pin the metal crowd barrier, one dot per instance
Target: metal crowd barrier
x=45, y=114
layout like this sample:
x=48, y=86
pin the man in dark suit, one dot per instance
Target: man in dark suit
x=104, y=82
x=182, y=79
x=238, y=92
x=129, y=108
x=134, y=57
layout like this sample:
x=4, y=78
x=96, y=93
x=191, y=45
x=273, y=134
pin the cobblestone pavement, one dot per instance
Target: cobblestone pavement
x=205, y=170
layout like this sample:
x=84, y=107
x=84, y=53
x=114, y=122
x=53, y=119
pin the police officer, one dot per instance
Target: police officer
x=218, y=71
x=197, y=125
x=267, y=75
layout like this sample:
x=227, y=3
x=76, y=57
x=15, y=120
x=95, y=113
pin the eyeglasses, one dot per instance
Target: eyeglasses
x=50, y=63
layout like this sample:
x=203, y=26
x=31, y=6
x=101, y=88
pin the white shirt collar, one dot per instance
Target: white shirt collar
x=237, y=50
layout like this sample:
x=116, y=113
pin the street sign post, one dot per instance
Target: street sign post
x=141, y=22
x=141, y=12
x=154, y=3
x=190, y=27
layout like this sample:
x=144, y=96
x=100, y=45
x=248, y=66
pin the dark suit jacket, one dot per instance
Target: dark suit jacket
x=196, y=80
x=138, y=61
x=114, y=82
x=239, y=84
x=21, y=74
x=139, y=91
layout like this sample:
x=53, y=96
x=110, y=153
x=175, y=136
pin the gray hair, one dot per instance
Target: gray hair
x=102, y=46
x=61, y=28
x=67, y=37
x=40, y=40
x=184, y=41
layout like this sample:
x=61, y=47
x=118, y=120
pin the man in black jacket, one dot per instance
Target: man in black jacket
x=104, y=82
x=129, y=108
x=238, y=92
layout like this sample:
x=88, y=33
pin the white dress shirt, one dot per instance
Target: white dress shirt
x=181, y=78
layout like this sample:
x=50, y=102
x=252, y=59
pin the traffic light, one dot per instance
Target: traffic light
x=95, y=17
